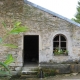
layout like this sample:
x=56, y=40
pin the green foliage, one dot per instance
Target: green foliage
x=47, y=72
x=5, y=72
x=15, y=29
x=9, y=59
x=5, y=64
x=4, y=24
x=17, y=23
x=10, y=45
x=58, y=51
x=18, y=30
x=77, y=16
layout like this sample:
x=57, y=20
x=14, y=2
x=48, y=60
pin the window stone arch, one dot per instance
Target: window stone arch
x=60, y=45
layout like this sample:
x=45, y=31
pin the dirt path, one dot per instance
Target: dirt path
x=57, y=77
x=65, y=77
x=61, y=77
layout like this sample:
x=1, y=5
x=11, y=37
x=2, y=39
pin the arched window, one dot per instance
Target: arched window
x=60, y=45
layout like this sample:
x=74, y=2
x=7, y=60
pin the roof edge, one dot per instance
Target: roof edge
x=51, y=12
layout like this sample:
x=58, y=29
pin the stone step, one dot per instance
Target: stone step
x=28, y=68
x=28, y=76
x=29, y=72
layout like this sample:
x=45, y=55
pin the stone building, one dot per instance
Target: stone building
x=51, y=38
x=50, y=32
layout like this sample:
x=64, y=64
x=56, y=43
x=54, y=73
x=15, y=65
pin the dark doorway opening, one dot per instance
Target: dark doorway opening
x=31, y=49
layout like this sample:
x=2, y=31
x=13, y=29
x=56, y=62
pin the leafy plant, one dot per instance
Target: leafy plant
x=77, y=15
x=4, y=72
x=58, y=51
x=66, y=52
x=5, y=64
x=46, y=72
x=17, y=28
x=9, y=59
x=10, y=45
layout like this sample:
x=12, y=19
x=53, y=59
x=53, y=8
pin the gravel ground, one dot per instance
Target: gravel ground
x=73, y=76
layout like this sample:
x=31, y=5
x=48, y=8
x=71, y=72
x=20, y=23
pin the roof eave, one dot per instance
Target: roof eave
x=51, y=12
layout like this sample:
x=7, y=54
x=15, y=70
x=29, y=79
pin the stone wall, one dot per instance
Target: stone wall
x=63, y=68
x=11, y=11
x=47, y=26
x=40, y=23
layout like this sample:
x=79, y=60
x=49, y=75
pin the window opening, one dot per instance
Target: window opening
x=60, y=45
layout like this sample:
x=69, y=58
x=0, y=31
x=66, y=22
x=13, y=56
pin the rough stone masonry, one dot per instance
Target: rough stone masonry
x=40, y=23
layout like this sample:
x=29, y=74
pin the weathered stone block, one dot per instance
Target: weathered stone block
x=19, y=64
x=74, y=68
x=60, y=68
x=65, y=69
x=67, y=62
x=18, y=68
x=78, y=66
